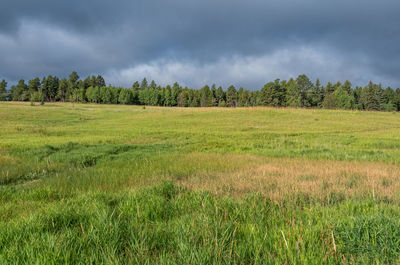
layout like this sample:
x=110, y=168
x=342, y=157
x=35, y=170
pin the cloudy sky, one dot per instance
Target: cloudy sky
x=194, y=42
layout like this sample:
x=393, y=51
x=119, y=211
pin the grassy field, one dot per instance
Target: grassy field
x=90, y=184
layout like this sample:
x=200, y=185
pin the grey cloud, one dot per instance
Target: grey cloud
x=117, y=36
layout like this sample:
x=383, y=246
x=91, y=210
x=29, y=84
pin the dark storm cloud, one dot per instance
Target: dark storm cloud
x=228, y=41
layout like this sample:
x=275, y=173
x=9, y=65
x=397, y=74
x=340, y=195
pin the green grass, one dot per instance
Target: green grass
x=94, y=184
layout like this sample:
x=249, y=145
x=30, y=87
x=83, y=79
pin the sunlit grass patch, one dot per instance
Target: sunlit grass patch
x=91, y=183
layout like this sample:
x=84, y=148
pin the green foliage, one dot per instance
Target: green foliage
x=231, y=97
x=244, y=98
x=93, y=94
x=20, y=91
x=342, y=99
x=150, y=97
x=50, y=87
x=372, y=96
x=304, y=86
x=329, y=102
x=135, y=86
x=34, y=85
x=143, y=84
x=273, y=94
x=220, y=96
x=299, y=92
x=62, y=93
x=206, y=97
x=3, y=89
x=317, y=95
x=293, y=96
x=125, y=96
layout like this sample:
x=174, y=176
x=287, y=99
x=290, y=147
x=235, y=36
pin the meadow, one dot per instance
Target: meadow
x=115, y=184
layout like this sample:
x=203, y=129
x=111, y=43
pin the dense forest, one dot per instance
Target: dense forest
x=299, y=92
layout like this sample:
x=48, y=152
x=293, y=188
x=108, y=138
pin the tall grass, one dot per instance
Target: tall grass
x=125, y=185
x=168, y=224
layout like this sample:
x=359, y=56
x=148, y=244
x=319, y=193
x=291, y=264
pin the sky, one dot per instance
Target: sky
x=197, y=42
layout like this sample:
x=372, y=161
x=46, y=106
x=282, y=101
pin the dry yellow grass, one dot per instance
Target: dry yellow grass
x=278, y=178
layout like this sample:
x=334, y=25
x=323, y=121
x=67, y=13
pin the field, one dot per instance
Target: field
x=91, y=184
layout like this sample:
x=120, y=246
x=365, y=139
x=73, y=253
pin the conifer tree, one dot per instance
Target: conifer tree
x=175, y=90
x=3, y=89
x=20, y=91
x=304, y=86
x=343, y=100
x=100, y=81
x=219, y=96
x=62, y=90
x=231, y=97
x=153, y=84
x=317, y=94
x=293, y=97
x=371, y=96
x=205, y=96
x=135, y=86
x=33, y=89
x=214, y=101
x=143, y=84
x=347, y=86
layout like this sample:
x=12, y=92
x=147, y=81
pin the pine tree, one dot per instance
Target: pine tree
x=329, y=101
x=243, y=97
x=3, y=89
x=388, y=99
x=93, y=81
x=273, y=94
x=317, y=94
x=167, y=96
x=304, y=86
x=115, y=92
x=343, y=100
x=219, y=95
x=357, y=98
x=293, y=98
x=396, y=100
x=33, y=89
x=153, y=85
x=183, y=98
x=266, y=94
x=175, y=90
x=143, y=84
x=231, y=97
x=62, y=90
x=195, y=102
x=20, y=91
x=73, y=78
x=87, y=83
x=328, y=89
x=347, y=86
x=100, y=81
x=72, y=86
x=135, y=86
x=371, y=97
x=205, y=96
x=214, y=101
x=50, y=88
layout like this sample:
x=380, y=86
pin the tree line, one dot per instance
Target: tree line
x=299, y=92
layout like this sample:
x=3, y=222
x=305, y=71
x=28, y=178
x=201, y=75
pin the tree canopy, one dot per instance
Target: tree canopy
x=299, y=92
